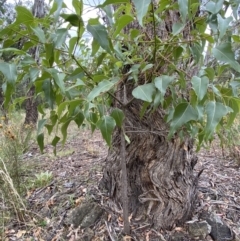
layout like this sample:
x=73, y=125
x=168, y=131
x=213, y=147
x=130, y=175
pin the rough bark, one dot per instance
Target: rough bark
x=31, y=102
x=161, y=183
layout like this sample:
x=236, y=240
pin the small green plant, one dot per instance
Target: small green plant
x=43, y=178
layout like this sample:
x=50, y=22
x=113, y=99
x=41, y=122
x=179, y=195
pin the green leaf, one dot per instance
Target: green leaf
x=177, y=52
x=141, y=9
x=106, y=125
x=161, y=83
x=177, y=28
x=41, y=124
x=234, y=104
x=64, y=131
x=236, y=38
x=183, y=9
x=40, y=34
x=74, y=19
x=40, y=141
x=79, y=118
x=72, y=44
x=48, y=91
x=200, y=86
x=196, y=50
x=54, y=143
x=122, y=22
x=215, y=111
x=9, y=71
x=13, y=50
x=214, y=7
x=100, y=34
x=61, y=35
x=78, y=6
x=225, y=54
x=95, y=47
x=107, y=2
x=49, y=50
x=33, y=73
x=24, y=16
x=148, y=66
x=118, y=116
x=101, y=58
x=102, y=87
x=144, y=92
x=223, y=24
x=235, y=86
x=183, y=113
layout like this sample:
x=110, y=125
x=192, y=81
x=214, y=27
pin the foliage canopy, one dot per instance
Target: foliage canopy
x=78, y=81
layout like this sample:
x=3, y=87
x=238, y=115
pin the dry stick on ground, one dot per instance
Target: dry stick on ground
x=124, y=176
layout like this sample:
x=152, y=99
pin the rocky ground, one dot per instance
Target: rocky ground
x=72, y=197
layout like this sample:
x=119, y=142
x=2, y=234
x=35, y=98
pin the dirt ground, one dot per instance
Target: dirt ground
x=77, y=170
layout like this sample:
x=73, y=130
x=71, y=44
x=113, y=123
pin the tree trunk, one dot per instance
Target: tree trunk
x=31, y=102
x=161, y=183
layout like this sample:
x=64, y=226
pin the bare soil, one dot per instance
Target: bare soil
x=77, y=170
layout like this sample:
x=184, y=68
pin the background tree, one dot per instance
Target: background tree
x=152, y=74
x=31, y=101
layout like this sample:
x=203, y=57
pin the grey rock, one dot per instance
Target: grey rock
x=220, y=231
x=86, y=215
x=92, y=217
x=199, y=229
x=177, y=236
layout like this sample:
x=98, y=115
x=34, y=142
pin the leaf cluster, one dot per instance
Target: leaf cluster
x=78, y=80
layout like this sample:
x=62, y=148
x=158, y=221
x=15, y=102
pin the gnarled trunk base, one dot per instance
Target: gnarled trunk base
x=161, y=184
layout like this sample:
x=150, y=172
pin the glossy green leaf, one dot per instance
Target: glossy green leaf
x=118, y=116
x=64, y=128
x=177, y=52
x=234, y=104
x=224, y=53
x=24, y=16
x=61, y=35
x=141, y=9
x=148, y=66
x=72, y=45
x=200, y=86
x=95, y=47
x=74, y=19
x=235, y=87
x=48, y=91
x=183, y=113
x=40, y=34
x=223, y=24
x=106, y=125
x=41, y=124
x=79, y=118
x=13, y=50
x=9, y=71
x=144, y=92
x=78, y=6
x=177, y=28
x=122, y=22
x=54, y=143
x=215, y=111
x=183, y=9
x=214, y=7
x=49, y=50
x=102, y=87
x=100, y=34
x=162, y=83
x=33, y=73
